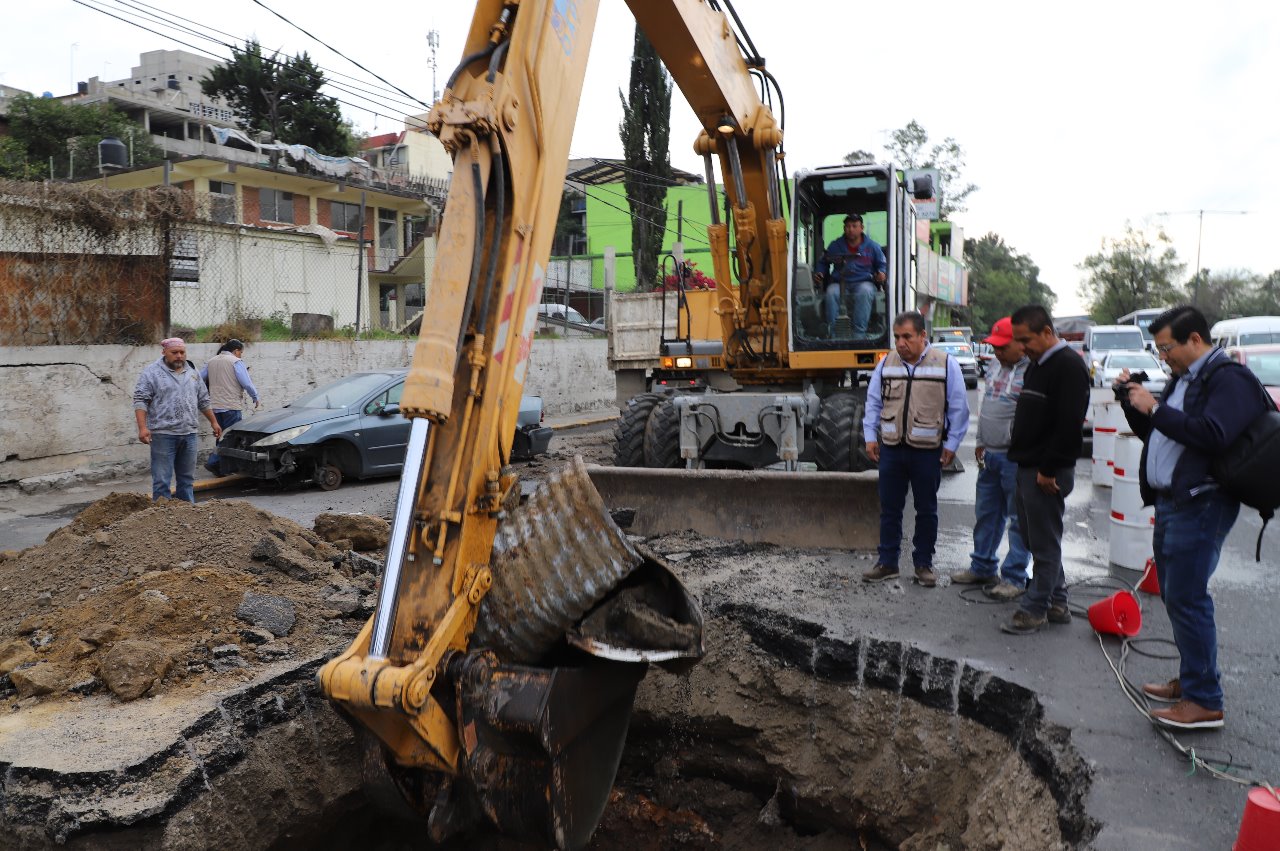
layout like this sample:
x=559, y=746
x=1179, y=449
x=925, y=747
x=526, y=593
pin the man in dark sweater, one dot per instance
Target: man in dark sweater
x=1045, y=444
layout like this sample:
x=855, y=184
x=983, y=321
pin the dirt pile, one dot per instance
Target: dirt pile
x=139, y=598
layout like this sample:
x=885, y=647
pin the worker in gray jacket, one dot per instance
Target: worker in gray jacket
x=995, y=505
x=167, y=403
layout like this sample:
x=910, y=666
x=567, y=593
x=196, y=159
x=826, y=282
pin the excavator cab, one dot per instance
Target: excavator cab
x=821, y=201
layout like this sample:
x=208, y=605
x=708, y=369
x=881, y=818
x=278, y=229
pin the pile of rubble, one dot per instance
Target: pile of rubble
x=139, y=598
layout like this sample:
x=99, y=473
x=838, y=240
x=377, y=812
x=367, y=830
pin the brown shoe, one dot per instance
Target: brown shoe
x=1004, y=591
x=1170, y=692
x=880, y=573
x=925, y=577
x=968, y=577
x=1023, y=623
x=1058, y=614
x=1186, y=715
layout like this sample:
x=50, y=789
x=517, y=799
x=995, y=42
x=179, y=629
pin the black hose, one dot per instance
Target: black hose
x=499, y=176
x=467, y=60
x=755, y=58
x=477, y=255
x=496, y=60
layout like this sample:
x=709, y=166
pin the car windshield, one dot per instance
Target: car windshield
x=343, y=392
x=1117, y=340
x=1266, y=367
x=1132, y=362
x=1259, y=338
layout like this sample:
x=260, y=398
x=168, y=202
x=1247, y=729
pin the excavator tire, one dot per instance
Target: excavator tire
x=841, y=448
x=628, y=434
x=662, y=437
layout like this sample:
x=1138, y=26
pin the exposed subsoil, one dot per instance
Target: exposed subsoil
x=786, y=736
x=175, y=580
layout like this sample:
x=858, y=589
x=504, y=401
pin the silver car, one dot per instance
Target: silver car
x=963, y=354
x=1116, y=361
x=349, y=429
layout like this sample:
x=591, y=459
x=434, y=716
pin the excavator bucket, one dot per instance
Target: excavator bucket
x=544, y=695
x=789, y=509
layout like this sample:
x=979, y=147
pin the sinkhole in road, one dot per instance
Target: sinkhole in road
x=787, y=738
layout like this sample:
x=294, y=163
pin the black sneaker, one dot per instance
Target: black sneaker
x=880, y=573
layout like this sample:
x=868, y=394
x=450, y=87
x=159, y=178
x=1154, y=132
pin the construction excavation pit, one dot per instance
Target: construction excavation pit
x=170, y=702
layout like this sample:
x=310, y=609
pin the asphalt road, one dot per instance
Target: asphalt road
x=1143, y=792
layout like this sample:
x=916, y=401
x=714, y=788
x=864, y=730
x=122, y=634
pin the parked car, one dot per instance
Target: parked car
x=964, y=356
x=598, y=324
x=348, y=429
x=1100, y=339
x=561, y=312
x=1143, y=361
x=1264, y=361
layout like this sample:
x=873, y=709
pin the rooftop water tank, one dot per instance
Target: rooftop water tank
x=113, y=153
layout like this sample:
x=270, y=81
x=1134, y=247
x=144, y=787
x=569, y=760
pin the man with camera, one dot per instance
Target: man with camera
x=1209, y=402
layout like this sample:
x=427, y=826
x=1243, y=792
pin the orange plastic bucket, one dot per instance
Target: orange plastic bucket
x=1119, y=614
x=1150, y=580
x=1260, y=824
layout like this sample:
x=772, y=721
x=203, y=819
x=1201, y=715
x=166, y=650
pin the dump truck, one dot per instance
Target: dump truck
x=492, y=687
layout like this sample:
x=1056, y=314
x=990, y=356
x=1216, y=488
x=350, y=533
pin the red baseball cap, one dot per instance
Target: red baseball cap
x=1001, y=332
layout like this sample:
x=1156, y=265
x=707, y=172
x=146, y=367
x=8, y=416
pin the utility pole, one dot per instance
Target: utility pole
x=433, y=41
x=1195, y=298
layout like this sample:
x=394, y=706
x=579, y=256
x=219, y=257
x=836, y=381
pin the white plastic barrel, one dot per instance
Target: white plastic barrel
x=1108, y=420
x=1132, y=524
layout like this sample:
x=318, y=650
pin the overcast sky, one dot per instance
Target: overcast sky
x=1074, y=118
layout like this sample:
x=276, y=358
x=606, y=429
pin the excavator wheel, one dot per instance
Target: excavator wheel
x=841, y=448
x=662, y=437
x=628, y=434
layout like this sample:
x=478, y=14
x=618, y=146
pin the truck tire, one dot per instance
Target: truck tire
x=628, y=434
x=841, y=448
x=662, y=437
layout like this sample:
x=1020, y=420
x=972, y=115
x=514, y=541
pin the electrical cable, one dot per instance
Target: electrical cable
x=340, y=53
x=172, y=38
x=161, y=20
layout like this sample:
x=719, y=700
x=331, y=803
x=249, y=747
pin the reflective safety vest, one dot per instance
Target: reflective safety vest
x=915, y=400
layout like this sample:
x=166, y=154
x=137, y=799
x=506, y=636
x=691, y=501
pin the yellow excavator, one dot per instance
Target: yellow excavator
x=492, y=688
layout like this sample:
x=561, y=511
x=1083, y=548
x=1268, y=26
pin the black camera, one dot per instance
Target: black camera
x=1122, y=390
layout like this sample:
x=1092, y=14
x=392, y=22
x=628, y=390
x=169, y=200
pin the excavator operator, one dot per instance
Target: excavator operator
x=856, y=264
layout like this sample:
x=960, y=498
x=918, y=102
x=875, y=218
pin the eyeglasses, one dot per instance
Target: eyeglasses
x=1165, y=348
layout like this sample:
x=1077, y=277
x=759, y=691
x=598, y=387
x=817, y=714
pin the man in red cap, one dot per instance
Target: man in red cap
x=995, y=504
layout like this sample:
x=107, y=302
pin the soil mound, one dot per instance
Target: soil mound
x=140, y=597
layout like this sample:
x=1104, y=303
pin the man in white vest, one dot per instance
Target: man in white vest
x=229, y=381
x=917, y=413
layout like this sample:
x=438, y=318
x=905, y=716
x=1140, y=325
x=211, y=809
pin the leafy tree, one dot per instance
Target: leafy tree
x=1001, y=280
x=909, y=147
x=281, y=97
x=1132, y=272
x=1234, y=292
x=43, y=130
x=646, y=131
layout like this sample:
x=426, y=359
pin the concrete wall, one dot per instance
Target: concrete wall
x=66, y=412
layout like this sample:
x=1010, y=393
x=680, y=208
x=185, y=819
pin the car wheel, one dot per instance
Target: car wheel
x=328, y=477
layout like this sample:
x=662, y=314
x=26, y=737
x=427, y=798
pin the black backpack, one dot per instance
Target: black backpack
x=1250, y=467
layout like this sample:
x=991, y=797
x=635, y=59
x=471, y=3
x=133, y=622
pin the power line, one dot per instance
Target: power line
x=363, y=108
x=340, y=53
x=167, y=19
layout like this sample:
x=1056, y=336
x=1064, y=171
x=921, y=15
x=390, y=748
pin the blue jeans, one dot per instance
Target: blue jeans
x=173, y=456
x=1040, y=522
x=226, y=419
x=920, y=469
x=996, y=509
x=864, y=296
x=1188, y=540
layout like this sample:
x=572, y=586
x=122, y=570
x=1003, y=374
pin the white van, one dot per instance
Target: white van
x=1246, y=331
x=1100, y=339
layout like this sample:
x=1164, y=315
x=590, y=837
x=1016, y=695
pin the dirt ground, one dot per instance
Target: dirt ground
x=200, y=596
